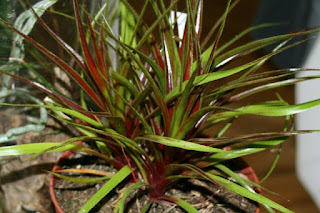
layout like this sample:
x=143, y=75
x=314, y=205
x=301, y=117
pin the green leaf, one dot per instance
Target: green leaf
x=120, y=139
x=170, y=49
x=106, y=188
x=227, y=141
x=212, y=55
x=160, y=18
x=121, y=203
x=241, y=181
x=209, y=77
x=125, y=82
x=70, y=141
x=179, y=143
x=128, y=24
x=261, y=79
x=79, y=180
x=193, y=120
x=146, y=207
x=67, y=111
x=180, y=108
x=183, y=204
x=273, y=166
x=156, y=68
x=233, y=175
x=272, y=109
x=133, y=16
x=137, y=113
x=246, y=193
x=34, y=148
x=246, y=150
x=264, y=87
x=157, y=93
x=206, y=53
x=258, y=44
x=240, y=35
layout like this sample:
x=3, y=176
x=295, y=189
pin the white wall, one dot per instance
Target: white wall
x=308, y=145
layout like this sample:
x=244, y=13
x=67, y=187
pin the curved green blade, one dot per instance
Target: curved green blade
x=179, y=143
x=106, y=188
x=246, y=193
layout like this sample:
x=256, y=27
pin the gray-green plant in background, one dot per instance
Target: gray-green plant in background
x=143, y=114
x=7, y=14
x=14, y=44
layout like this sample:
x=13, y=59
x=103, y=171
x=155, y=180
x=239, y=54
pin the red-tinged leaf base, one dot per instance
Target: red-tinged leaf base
x=203, y=195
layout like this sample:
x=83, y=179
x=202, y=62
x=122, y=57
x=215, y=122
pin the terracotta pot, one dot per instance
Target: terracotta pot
x=57, y=166
x=240, y=163
x=249, y=172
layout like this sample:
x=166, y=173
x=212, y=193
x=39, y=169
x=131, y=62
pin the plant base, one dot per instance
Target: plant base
x=205, y=196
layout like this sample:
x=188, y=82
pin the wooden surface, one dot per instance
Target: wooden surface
x=283, y=180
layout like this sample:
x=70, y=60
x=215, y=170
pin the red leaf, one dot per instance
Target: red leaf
x=57, y=96
x=62, y=64
x=93, y=69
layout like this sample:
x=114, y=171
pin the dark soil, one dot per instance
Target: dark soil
x=205, y=196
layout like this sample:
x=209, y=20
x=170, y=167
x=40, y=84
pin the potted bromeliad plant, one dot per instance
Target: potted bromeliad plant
x=142, y=96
